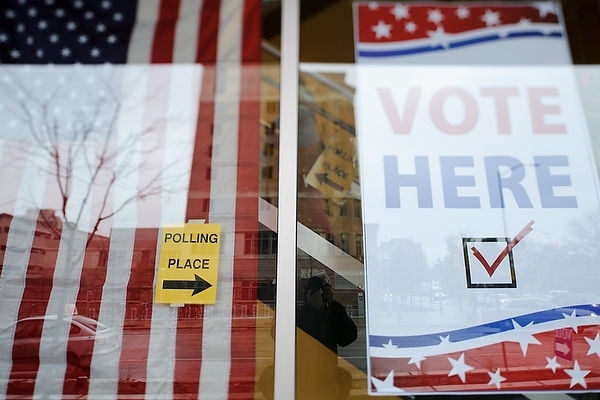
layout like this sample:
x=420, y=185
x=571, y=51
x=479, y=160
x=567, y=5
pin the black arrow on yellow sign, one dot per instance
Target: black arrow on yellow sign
x=322, y=178
x=198, y=285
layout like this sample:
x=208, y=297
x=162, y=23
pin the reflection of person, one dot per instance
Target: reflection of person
x=327, y=326
x=325, y=318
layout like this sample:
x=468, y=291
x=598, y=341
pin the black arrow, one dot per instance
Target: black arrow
x=322, y=178
x=198, y=285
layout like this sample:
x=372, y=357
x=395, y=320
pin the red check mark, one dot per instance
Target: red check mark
x=490, y=269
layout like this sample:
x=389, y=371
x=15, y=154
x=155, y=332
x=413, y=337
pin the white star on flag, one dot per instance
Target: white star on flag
x=386, y=385
x=389, y=345
x=552, y=363
x=381, y=30
x=496, y=378
x=491, y=18
x=373, y=5
x=416, y=360
x=577, y=375
x=400, y=12
x=545, y=8
x=459, y=367
x=522, y=336
x=594, y=345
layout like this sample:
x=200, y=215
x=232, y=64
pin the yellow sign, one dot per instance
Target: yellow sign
x=188, y=264
x=333, y=172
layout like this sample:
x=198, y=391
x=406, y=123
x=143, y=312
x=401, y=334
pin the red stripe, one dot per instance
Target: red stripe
x=140, y=282
x=243, y=330
x=209, y=32
x=39, y=282
x=164, y=33
x=95, y=261
x=34, y=302
x=251, y=44
x=199, y=191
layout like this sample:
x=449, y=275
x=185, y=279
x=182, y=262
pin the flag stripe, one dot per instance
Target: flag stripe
x=161, y=351
x=104, y=379
x=215, y=369
x=164, y=33
x=243, y=335
x=206, y=54
x=182, y=102
x=186, y=36
x=199, y=187
x=140, y=44
x=32, y=285
x=149, y=214
x=104, y=374
x=94, y=270
x=16, y=260
x=67, y=269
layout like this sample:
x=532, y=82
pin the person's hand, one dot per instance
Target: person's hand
x=314, y=299
x=327, y=295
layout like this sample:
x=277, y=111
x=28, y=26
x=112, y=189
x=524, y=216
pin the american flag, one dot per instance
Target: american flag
x=96, y=159
x=473, y=32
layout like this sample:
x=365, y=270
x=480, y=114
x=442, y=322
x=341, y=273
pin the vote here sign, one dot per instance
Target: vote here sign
x=472, y=180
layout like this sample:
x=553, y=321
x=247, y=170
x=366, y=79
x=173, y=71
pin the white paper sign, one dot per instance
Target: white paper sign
x=474, y=183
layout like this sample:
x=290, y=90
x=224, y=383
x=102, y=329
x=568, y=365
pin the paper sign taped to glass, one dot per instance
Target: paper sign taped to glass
x=188, y=264
x=480, y=198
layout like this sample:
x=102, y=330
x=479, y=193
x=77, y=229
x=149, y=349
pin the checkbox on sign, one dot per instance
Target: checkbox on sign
x=489, y=263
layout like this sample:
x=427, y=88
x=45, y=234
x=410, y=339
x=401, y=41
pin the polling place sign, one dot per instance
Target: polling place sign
x=188, y=264
x=474, y=181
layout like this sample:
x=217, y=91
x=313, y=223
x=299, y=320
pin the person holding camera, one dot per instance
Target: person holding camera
x=327, y=325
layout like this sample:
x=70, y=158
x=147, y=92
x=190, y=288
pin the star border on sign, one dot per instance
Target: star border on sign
x=577, y=375
x=381, y=29
x=496, y=378
x=594, y=345
x=523, y=338
x=552, y=364
x=386, y=385
x=459, y=367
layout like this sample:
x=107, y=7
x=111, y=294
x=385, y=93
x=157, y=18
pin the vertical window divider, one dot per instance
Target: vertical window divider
x=285, y=310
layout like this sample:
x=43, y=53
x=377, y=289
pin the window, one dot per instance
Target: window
x=267, y=242
x=344, y=209
x=345, y=242
x=267, y=172
x=357, y=209
x=359, y=246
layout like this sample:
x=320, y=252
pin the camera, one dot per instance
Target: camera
x=315, y=284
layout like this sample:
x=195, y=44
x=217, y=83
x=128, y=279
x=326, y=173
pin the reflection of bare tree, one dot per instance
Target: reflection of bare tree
x=450, y=269
x=82, y=150
x=586, y=236
x=80, y=137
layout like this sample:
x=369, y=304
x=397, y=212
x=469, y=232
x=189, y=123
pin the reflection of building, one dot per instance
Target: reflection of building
x=44, y=234
x=331, y=111
x=324, y=112
x=37, y=235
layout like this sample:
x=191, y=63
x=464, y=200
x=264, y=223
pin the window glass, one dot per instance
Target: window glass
x=138, y=144
x=420, y=289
